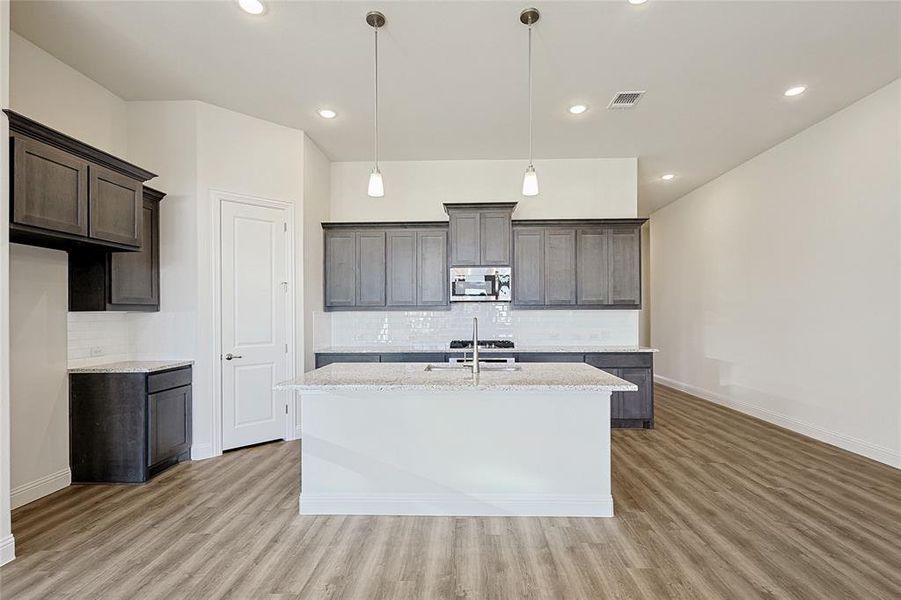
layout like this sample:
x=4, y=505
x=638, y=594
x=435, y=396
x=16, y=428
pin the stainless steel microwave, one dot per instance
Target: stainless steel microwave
x=480, y=284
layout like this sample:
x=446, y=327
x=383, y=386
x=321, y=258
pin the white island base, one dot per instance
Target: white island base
x=456, y=447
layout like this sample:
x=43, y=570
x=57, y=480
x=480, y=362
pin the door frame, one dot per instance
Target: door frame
x=217, y=197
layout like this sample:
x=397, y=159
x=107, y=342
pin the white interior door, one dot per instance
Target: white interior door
x=254, y=333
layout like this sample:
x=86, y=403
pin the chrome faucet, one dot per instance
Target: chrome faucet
x=475, y=345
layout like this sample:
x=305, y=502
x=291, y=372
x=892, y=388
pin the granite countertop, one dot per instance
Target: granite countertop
x=389, y=348
x=133, y=366
x=575, y=377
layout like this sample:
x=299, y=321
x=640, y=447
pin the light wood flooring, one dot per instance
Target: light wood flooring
x=711, y=504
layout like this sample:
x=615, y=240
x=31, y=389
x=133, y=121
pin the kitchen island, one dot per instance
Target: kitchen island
x=401, y=439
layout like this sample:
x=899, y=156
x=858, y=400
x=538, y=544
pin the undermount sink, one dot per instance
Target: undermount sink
x=483, y=367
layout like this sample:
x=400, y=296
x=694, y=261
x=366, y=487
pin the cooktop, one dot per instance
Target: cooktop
x=456, y=344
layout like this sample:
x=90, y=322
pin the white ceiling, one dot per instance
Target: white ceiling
x=453, y=74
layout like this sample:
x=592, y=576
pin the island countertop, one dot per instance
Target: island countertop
x=413, y=376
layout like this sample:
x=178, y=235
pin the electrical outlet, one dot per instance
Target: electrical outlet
x=97, y=351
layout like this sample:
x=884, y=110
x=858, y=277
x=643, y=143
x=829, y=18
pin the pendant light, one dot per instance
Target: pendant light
x=375, y=19
x=529, y=17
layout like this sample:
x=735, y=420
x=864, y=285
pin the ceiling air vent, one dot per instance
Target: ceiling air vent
x=625, y=99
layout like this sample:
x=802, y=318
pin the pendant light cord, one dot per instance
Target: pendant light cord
x=376, y=98
x=530, y=95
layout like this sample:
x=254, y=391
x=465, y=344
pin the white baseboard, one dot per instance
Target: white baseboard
x=7, y=549
x=457, y=505
x=202, y=451
x=875, y=452
x=297, y=434
x=46, y=485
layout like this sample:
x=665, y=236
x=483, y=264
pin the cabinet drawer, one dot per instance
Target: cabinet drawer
x=157, y=382
x=620, y=360
x=414, y=357
x=323, y=360
x=551, y=357
x=483, y=355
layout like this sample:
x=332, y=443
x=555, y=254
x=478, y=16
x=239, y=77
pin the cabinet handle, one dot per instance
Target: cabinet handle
x=230, y=356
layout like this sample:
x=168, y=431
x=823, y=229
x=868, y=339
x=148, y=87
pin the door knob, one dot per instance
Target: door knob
x=230, y=356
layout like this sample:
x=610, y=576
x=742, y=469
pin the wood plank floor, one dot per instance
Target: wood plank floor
x=711, y=504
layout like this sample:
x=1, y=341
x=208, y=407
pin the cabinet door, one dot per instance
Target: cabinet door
x=340, y=270
x=624, y=279
x=134, y=277
x=115, y=207
x=370, y=268
x=560, y=267
x=50, y=188
x=616, y=398
x=634, y=405
x=401, y=268
x=464, y=228
x=591, y=273
x=431, y=266
x=169, y=423
x=528, y=266
x=494, y=237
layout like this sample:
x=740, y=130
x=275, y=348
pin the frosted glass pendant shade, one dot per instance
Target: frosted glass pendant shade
x=376, y=187
x=530, y=182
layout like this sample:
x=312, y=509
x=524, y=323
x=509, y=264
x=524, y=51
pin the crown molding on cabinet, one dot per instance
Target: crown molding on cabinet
x=21, y=124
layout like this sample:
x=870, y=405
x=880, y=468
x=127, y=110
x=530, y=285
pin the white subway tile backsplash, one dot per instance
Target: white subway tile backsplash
x=96, y=337
x=496, y=321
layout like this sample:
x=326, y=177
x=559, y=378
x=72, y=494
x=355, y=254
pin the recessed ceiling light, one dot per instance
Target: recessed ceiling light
x=637, y=1
x=667, y=177
x=577, y=109
x=253, y=7
x=327, y=113
x=795, y=91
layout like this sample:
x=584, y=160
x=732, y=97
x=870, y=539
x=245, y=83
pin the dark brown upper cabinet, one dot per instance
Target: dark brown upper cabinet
x=115, y=205
x=50, y=188
x=385, y=266
x=66, y=194
x=480, y=233
x=101, y=280
x=580, y=264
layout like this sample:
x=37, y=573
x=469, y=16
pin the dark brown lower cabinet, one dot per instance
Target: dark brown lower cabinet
x=629, y=409
x=633, y=409
x=127, y=427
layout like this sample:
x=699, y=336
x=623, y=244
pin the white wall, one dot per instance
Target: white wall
x=7, y=542
x=644, y=317
x=162, y=137
x=416, y=190
x=247, y=156
x=775, y=288
x=316, y=198
x=39, y=407
x=198, y=148
x=55, y=94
